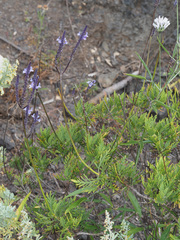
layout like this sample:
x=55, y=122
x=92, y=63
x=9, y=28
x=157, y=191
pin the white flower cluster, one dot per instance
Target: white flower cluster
x=7, y=73
x=9, y=225
x=161, y=23
x=27, y=228
x=121, y=235
x=109, y=234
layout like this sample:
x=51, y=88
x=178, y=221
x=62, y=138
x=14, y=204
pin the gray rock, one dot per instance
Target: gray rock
x=106, y=80
x=7, y=143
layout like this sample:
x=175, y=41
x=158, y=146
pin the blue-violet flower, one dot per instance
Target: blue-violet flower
x=31, y=86
x=36, y=117
x=26, y=69
x=90, y=84
x=85, y=36
x=59, y=40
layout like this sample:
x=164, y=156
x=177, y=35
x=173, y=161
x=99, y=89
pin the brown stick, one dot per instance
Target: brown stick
x=15, y=46
x=115, y=87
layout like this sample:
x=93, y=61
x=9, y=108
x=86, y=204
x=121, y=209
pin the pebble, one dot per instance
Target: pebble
x=106, y=80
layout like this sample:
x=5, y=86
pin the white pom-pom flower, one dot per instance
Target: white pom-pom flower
x=161, y=23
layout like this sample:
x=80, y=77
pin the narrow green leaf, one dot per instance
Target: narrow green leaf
x=126, y=209
x=21, y=206
x=163, y=104
x=75, y=204
x=164, y=48
x=165, y=234
x=155, y=67
x=107, y=198
x=79, y=191
x=135, y=203
x=132, y=142
x=146, y=67
x=135, y=76
x=135, y=230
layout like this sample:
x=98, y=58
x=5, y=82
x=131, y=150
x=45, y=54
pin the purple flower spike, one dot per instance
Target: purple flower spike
x=75, y=48
x=36, y=117
x=31, y=86
x=26, y=116
x=29, y=111
x=175, y=3
x=61, y=44
x=34, y=81
x=85, y=35
x=59, y=40
x=17, y=90
x=26, y=70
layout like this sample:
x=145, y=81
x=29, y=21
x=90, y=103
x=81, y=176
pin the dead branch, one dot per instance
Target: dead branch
x=15, y=46
x=115, y=87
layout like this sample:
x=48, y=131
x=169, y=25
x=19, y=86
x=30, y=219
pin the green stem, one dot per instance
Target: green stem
x=34, y=166
x=160, y=60
x=177, y=14
x=65, y=119
x=48, y=117
x=147, y=61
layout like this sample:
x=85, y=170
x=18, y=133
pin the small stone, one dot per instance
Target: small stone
x=105, y=46
x=7, y=143
x=106, y=80
x=104, y=54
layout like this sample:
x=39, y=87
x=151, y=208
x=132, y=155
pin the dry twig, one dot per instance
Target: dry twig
x=111, y=89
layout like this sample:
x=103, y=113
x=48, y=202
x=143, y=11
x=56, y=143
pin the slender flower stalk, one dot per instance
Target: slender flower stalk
x=34, y=81
x=160, y=59
x=160, y=24
x=178, y=38
x=26, y=116
x=25, y=105
x=61, y=44
x=36, y=119
x=27, y=72
x=82, y=36
x=21, y=103
x=17, y=90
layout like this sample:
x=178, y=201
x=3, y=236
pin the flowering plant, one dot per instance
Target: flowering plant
x=161, y=23
x=7, y=73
